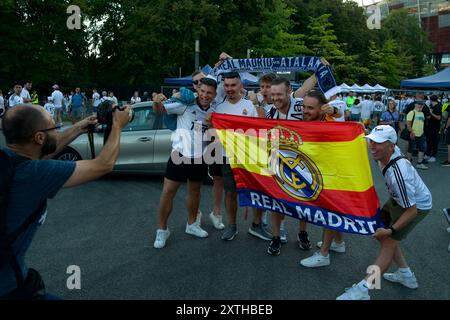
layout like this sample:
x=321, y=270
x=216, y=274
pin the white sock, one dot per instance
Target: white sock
x=363, y=285
x=282, y=225
x=405, y=271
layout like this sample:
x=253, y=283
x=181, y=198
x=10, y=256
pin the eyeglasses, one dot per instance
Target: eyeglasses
x=50, y=129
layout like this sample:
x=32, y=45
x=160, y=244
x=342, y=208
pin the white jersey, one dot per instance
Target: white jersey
x=405, y=185
x=342, y=106
x=25, y=94
x=188, y=137
x=50, y=108
x=241, y=108
x=14, y=100
x=57, y=98
x=295, y=111
x=96, y=99
x=378, y=106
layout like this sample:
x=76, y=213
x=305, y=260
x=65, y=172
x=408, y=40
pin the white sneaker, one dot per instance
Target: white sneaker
x=195, y=230
x=216, y=221
x=399, y=277
x=427, y=157
x=337, y=247
x=431, y=159
x=161, y=238
x=316, y=260
x=354, y=293
x=198, y=219
x=421, y=166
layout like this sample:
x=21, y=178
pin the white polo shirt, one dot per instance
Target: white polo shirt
x=405, y=185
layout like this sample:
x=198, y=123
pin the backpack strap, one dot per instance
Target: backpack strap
x=390, y=163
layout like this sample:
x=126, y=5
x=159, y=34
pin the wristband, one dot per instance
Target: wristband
x=393, y=230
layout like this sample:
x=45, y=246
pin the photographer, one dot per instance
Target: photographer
x=31, y=136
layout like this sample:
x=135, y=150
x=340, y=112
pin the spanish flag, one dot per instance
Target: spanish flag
x=314, y=171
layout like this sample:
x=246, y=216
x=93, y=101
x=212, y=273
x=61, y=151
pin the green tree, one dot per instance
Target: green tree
x=388, y=65
x=37, y=45
x=276, y=38
x=410, y=38
x=323, y=42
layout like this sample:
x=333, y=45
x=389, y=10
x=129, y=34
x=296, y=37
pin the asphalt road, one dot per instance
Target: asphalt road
x=107, y=228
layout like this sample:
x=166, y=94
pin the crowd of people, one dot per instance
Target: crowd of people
x=32, y=139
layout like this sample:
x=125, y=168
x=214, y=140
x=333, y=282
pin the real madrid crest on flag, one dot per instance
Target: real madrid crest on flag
x=295, y=173
x=318, y=172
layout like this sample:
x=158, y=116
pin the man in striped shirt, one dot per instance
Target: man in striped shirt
x=409, y=202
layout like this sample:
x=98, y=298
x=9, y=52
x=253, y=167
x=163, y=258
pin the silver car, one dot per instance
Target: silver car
x=145, y=144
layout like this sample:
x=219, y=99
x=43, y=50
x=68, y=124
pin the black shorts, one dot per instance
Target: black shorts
x=447, y=137
x=215, y=170
x=189, y=169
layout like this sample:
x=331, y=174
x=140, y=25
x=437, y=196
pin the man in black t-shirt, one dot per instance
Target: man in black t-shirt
x=432, y=128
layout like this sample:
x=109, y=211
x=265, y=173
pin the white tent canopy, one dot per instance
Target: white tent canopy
x=356, y=88
x=368, y=88
x=379, y=88
x=365, y=88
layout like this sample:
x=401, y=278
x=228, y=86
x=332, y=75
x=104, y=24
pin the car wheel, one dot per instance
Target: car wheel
x=68, y=154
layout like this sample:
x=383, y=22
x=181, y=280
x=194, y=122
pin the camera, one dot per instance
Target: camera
x=104, y=116
x=105, y=110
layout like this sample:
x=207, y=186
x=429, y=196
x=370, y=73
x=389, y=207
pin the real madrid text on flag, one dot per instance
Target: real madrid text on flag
x=314, y=171
x=324, y=76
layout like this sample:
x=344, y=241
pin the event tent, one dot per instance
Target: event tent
x=437, y=80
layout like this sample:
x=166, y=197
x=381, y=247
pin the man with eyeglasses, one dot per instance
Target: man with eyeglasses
x=32, y=138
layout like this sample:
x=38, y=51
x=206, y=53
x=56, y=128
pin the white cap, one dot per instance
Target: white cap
x=383, y=133
x=55, y=86
x=50, y=98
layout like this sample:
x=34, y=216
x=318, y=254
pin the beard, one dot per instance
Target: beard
x=49, y=146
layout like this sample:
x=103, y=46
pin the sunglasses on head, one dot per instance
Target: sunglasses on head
x=196, y=82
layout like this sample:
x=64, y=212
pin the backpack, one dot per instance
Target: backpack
x=7, y=167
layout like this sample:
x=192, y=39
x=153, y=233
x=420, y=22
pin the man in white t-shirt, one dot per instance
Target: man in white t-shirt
x=58, y=98
x=341, y=105
x=15, y=99
x=186, y=161
x=409, y=203
x=135, y=98
x=25, y=93
x=235, y=104
x=95, y=99
x=366, y=111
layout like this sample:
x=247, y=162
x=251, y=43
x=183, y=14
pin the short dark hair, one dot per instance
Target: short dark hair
x=209, y=82
x=269, y=77
x=317, y=95
x=20, y=124
x=434, y=98
x=281, y=80
x=231, y=75
x=196, y=72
